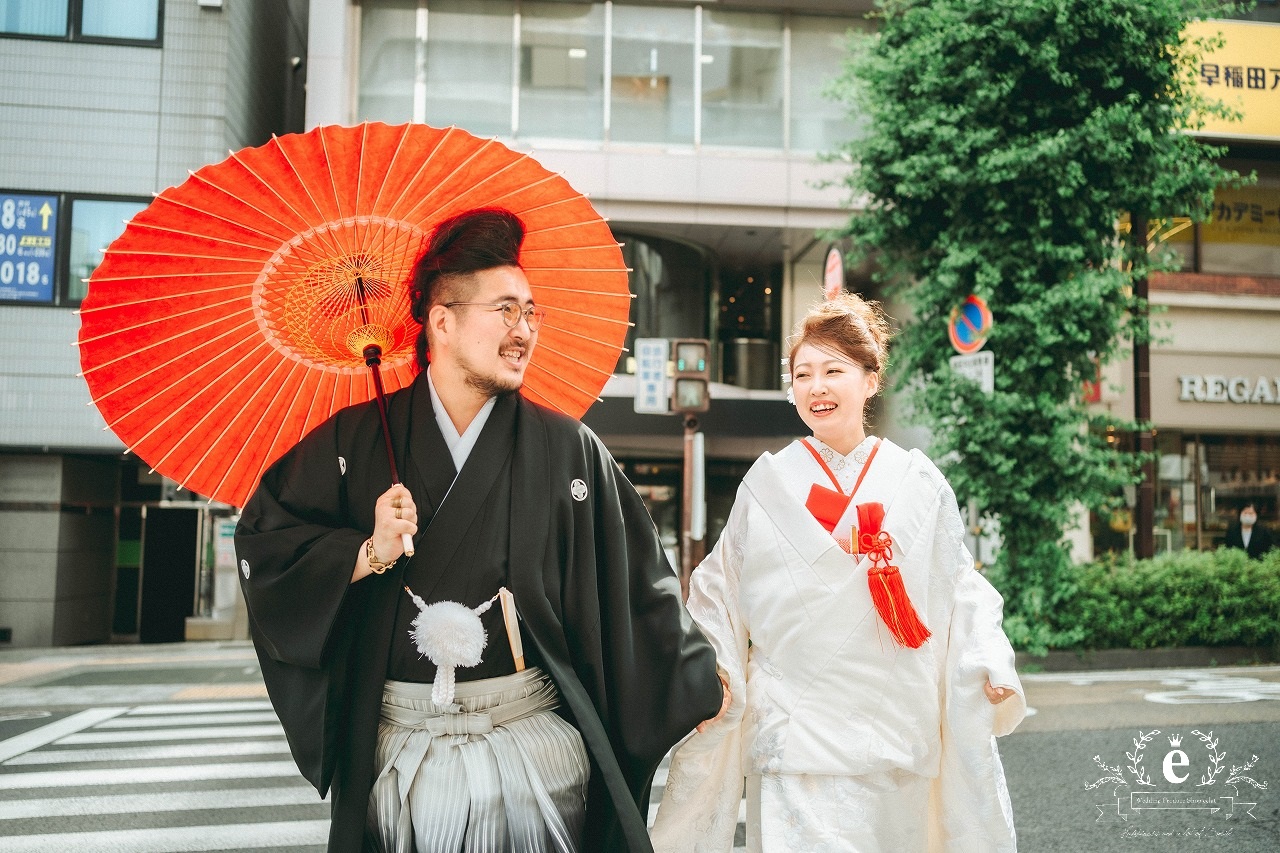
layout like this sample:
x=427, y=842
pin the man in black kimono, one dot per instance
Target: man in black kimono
x=535, y=504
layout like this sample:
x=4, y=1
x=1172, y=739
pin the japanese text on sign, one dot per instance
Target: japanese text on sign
x=651, y=376
x=28, y=237
x=1240, y=71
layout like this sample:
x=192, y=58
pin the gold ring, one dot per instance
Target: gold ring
x=398, y=512
x=396, y=503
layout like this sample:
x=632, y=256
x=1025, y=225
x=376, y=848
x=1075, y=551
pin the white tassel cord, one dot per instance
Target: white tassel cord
x=450, y=635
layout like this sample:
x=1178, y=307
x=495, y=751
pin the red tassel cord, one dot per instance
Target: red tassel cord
x=887, y=590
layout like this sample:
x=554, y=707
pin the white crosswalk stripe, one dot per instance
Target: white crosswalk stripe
x=164, y=777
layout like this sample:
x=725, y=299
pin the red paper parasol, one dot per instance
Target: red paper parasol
x=231, y=316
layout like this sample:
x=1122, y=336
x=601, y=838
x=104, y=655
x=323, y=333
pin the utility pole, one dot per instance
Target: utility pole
x=690, y=394
x=1144, y=442
x=689, y=500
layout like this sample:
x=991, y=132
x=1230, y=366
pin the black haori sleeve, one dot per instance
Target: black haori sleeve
x=296, y=550
x=633, y=670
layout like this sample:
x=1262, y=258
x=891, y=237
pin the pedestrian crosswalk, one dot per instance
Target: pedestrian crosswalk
x=167, y=778
x=163, y=778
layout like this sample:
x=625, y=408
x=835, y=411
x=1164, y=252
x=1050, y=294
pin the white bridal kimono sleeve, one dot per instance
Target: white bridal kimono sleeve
x=821, y=691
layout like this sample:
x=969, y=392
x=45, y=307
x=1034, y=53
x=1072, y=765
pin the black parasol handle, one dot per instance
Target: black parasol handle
x=373, y=358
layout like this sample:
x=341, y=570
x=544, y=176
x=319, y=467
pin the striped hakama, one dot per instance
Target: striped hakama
x=497, y=771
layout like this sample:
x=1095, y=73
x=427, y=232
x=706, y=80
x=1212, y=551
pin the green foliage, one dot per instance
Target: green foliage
x=1005, y=140
x=1188, y=598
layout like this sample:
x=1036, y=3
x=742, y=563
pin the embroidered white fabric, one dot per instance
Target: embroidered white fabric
x=822, y=756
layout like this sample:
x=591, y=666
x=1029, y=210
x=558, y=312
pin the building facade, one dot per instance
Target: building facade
x=697, y=129
x=1215, y=356
x=104, y=104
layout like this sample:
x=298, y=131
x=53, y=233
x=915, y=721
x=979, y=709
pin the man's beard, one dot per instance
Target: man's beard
x=489, y=386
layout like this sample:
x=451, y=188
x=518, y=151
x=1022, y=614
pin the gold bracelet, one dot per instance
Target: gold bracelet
x=375, y=565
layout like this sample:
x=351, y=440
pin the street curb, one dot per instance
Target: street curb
x=1181, y=656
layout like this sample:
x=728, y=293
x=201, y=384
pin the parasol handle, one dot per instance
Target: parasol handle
x=373, y=358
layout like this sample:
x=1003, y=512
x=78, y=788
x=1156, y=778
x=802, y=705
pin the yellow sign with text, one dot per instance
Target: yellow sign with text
x=1244, y=73
x=1243, y=215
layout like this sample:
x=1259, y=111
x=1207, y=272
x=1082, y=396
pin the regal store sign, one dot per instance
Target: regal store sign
x=1196, y=388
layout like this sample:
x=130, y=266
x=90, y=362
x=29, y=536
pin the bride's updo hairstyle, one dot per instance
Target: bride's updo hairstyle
x=849, y=327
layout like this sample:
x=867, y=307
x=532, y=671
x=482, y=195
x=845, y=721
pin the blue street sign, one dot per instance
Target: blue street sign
x=28, y=238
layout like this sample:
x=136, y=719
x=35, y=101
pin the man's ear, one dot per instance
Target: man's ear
x=439, y=323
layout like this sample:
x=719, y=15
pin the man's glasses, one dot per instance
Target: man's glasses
x=511, y=313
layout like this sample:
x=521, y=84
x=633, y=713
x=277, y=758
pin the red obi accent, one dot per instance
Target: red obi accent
x=827, y=506
x=885, y=581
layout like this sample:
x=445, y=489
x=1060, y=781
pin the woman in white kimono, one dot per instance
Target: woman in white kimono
x=868, y=670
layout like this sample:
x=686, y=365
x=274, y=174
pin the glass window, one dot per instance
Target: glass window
x=742, y=79
x=670, y=280
x=748, y=329
x=469, y=65
x=120, y=19
x=1242, y=237
x=94, y=225
x=818, y=123
x=34, y=17
x=562, y=70
x=389, y=56
x=1175, y=242
x=652, y=86
x=1235, y=470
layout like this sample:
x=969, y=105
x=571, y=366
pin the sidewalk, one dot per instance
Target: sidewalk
x=112, y=674
x=1180, y=657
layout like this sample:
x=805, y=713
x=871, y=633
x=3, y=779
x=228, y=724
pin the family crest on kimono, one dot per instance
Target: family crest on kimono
x=868, y=670
x=439, y=721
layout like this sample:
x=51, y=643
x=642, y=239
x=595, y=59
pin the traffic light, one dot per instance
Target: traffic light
x=691, y=385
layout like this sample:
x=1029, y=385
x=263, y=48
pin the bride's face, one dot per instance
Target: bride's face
x=831, y=394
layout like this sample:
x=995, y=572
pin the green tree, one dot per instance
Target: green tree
x=1005, y=140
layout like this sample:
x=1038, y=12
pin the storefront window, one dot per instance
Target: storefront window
x=562, y=70
x=1202, y=481
x=1233, y=470
x=1175, y=511
x=742, y=79
x=652, y=85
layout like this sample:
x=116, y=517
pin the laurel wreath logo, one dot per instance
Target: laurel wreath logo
x=1115, y=775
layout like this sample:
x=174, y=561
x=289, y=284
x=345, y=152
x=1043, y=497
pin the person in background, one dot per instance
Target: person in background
x=1250, y=535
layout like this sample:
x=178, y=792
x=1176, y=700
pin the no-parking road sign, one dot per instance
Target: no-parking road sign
x=969, y=325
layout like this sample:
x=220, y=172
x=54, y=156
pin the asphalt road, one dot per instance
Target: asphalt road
x=173, y=748
x=1050, y=761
